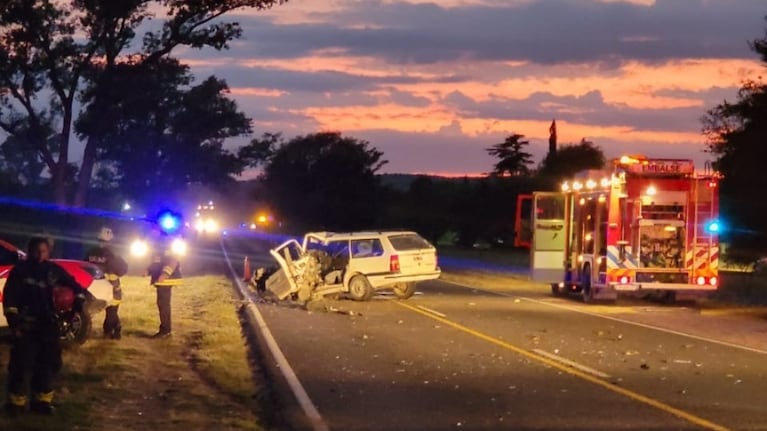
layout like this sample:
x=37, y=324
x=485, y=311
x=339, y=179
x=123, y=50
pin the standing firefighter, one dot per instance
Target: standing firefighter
x=28, y=304
x=165, y=272
x=114, y=267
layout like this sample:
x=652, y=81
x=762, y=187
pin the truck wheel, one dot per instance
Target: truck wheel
x=586, y=291
x=360, y=288
x=404, y=290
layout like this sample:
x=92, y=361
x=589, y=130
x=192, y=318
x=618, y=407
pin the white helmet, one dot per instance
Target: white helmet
x=106, y=234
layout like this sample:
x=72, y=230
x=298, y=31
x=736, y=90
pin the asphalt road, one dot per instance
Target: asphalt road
x=456, y=357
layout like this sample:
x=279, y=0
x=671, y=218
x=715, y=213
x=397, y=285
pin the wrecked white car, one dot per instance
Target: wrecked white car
x=357, y=264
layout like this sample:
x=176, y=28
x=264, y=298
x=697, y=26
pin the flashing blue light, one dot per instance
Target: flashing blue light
x=713, y=226
x=169, y=222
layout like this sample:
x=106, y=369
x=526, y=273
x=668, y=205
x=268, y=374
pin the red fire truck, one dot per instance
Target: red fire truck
x=645, y=226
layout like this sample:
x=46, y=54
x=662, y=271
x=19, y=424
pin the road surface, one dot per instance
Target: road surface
x=458, y=357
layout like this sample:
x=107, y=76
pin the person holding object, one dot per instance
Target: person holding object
x=28, y=305
x=114, y=267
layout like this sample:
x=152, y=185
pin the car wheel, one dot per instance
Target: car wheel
x=360, y=288
x=555, y=290
x=75, y=329
x=404, y=290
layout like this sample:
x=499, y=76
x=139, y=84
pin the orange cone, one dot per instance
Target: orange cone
x=246, y=273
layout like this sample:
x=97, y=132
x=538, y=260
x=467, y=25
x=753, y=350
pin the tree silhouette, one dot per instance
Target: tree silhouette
x=51, y=50
x=321, y=180
x=511, y=155
x=570, y=159
x=736, y=135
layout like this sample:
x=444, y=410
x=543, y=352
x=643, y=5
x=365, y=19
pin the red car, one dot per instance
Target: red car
x=87, y=274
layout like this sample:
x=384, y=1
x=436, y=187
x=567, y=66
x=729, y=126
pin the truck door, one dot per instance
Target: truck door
x=547, y=253
x=523, y=233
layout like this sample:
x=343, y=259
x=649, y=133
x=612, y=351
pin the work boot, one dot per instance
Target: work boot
x=43, y=408
x=162, y=334
x=14, y=411
x=117, y=333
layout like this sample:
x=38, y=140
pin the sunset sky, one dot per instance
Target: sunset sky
x=432, y=83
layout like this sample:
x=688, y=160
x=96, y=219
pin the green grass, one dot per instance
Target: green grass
x=200, y=379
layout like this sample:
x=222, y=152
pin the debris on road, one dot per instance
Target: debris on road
x=644, y=366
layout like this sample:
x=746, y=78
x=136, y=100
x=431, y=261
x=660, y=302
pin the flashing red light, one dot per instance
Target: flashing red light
x=712, y=281
x=712, y=184
x=394, y=263
x=624, y=280
x=701, y=281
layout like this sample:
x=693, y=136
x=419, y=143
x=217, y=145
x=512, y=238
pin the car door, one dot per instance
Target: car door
x=368, y=258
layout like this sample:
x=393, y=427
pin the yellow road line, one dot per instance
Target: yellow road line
x=689, y=417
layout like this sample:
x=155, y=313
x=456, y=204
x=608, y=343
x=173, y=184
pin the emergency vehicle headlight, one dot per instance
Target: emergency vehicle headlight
x=712, y=281
x=178, y=247
x=624, y=280
x=701, y=281
x=139, y=248
x=199, y=225
x=211, y=225
x=590, y=184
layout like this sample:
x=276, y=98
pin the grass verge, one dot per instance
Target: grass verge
x=200, y=379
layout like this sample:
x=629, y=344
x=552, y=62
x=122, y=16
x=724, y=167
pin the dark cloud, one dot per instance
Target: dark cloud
x=590, y=108
x=312, y=82
x=542, y=31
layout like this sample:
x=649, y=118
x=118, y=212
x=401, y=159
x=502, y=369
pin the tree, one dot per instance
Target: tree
x=322, y=180
x=169, y=135
x=511, y=155
x=49, y=50
x=736, y=134
x=571, y=159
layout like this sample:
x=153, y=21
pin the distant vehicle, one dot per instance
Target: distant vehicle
x=355, y=263
x=74, y=327
x=206, y=221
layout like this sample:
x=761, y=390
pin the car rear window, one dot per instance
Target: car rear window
x=408, y=242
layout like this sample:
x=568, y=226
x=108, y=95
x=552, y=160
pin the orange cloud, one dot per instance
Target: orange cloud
x=257, y=92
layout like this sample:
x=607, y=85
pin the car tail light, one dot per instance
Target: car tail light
x=394, y=263
x=712, y=281
x=701, y=281
x=1, y=296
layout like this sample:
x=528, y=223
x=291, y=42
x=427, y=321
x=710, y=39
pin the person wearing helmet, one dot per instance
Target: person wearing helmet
x=164, y=273
x=28, y=305
x=114, y=267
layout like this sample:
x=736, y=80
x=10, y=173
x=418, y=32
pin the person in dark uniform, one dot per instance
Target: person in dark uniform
x=165, y=272
x=29, y=309
x=114, y=267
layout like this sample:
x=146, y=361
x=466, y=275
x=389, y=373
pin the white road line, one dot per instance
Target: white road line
x=429, y=310
x=310, y=410
x=616, y=319
x=571, y=364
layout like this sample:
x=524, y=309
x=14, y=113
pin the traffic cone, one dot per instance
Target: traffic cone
x=246, y=273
